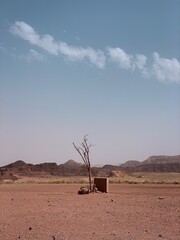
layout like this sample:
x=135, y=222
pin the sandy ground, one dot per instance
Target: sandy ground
x=127, y=212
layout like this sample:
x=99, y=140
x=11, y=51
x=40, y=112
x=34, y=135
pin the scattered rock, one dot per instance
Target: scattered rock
x=160, y=235
x=30, y=228
x=53, y=237
x=161, y=198
x=84, y=190
x=112, y=200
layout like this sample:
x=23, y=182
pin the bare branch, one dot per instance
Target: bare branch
x=83, y=151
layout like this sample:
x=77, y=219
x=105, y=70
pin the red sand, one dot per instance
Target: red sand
x=127, y=212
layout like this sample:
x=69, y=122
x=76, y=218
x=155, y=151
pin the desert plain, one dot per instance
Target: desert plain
x=56, y=211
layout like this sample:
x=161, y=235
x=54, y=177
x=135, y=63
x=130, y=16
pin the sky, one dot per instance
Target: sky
x=109, y=69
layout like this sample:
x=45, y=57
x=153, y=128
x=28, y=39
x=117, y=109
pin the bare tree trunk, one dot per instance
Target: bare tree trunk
x=90, y=182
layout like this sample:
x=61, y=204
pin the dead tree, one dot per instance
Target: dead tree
x=83, y=151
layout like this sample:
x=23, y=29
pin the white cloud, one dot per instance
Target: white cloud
x=34, y=55
x=166, y=70
x=119, y=56
x=25, y=31
x=96, y=57
x=128, y=61
x=163, y=69
x=140, y=62
x=47, y=42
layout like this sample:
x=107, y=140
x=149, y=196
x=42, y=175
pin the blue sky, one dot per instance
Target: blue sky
x=107, y=68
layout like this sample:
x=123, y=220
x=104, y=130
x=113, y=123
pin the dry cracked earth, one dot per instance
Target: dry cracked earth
x=57, y=212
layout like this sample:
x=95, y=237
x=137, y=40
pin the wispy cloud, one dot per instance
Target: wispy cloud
x=47, y=42
x=2, y=48
x=140, y=63
x=34, y=55
x=96, y=57
x=128, y=61
x=162, y=69
x=119, y=56
x=165, y=69
x=78, y=38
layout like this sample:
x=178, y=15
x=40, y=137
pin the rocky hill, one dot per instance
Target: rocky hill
x=153, y=164
x=72, y=168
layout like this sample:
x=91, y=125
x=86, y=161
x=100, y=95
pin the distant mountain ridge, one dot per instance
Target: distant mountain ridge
x=154, y=164
x=72, y=168
x=130, y=163
x=162, y=159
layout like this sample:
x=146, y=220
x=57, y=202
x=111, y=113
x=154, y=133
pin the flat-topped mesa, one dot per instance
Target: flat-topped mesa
x=162, y=159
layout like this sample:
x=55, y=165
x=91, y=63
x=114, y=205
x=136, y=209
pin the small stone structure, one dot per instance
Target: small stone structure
x=102, y=184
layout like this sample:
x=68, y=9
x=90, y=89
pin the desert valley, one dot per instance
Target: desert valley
x=41, y=201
